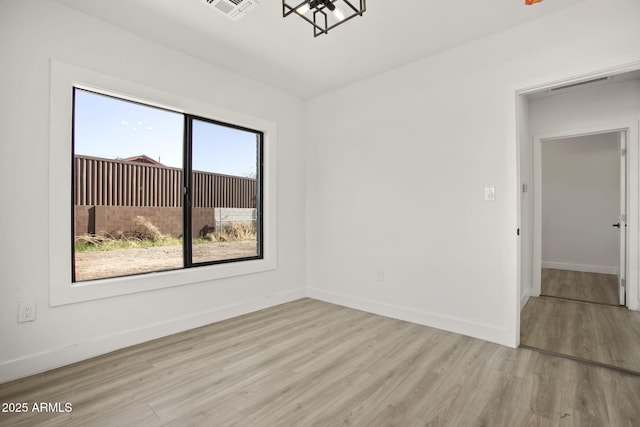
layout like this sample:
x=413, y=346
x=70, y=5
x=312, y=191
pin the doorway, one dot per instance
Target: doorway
x=583, y=204
x=580, y=256
x=577, y=241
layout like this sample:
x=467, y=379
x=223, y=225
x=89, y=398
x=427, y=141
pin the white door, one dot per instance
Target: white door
x=622, y=224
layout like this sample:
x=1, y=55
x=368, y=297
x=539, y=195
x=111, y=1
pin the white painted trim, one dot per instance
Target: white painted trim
x=633, y=200
x=602, y=269
x=514, y=122
x=61, y=289
x=524, y=298
x=633, y=217
x=50, y=359
x=464, y=327
x=536, y=283
x=516, y=131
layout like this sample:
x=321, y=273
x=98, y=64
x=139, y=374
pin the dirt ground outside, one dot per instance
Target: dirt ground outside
x=122, y=262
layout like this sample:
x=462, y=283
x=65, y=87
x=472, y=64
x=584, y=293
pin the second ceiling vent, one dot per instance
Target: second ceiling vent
x=232, y=9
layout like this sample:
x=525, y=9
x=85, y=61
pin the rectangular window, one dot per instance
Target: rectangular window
x=157, y=190
x=225, y=167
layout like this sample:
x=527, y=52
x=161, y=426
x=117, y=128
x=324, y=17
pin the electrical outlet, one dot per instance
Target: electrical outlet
x=26, y=312
x=380, y=275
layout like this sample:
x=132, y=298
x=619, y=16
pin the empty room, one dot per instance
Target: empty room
x=320, y=212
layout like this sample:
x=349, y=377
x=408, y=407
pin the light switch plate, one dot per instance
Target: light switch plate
x=489, y=193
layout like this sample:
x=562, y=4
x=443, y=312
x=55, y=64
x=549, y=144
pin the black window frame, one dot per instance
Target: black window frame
x=187, y=173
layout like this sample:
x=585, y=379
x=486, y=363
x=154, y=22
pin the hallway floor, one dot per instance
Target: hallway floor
x=581, y=286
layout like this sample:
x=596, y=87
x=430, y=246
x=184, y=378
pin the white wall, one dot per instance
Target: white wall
x=428, y=137
x=580, y=201
x=601, y=105
x=33, y=32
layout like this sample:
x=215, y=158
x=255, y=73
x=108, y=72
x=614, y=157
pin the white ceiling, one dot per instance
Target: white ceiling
x=283, y=52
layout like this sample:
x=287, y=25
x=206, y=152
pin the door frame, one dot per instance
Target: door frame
x=517, y=127
x=632, y=188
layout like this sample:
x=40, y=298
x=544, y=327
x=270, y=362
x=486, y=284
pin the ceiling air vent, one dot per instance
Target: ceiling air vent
x=572, y=85
x=232, y=9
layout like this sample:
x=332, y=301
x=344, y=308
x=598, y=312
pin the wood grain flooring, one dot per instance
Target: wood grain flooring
x=581, y=286
x=310, y=363
x=598, y=333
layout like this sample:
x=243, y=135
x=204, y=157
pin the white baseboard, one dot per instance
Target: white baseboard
x=602, y=269
x=50, y=359
x=460, y=326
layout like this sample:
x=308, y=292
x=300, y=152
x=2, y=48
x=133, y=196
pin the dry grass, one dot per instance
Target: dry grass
x=232, y=232
x=153, y=232
x=152, y=236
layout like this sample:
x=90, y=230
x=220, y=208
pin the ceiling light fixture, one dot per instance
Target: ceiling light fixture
x=315, y=12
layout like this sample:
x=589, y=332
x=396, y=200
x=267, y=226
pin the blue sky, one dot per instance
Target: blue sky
x=111, y=128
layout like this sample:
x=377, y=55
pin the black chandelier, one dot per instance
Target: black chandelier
x=324, y=14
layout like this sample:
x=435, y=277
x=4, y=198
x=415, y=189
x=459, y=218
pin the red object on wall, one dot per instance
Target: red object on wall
x=530, y=2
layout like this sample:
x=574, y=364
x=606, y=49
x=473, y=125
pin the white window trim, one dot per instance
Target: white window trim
x=64, y=77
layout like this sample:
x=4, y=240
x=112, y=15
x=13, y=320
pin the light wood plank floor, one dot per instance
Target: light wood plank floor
x=309, y=363
x=577, y=285
x=598, y=333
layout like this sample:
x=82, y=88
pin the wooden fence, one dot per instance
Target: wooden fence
x=104, y=182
